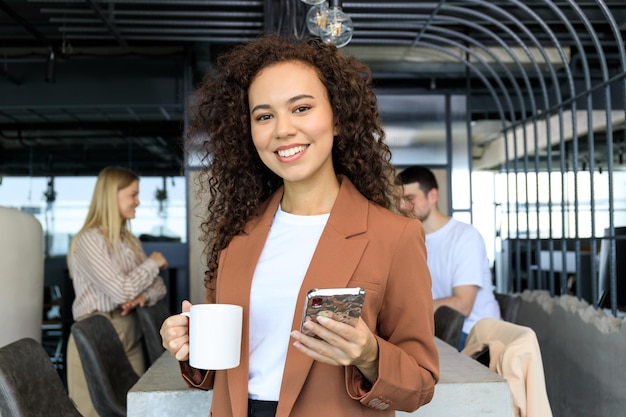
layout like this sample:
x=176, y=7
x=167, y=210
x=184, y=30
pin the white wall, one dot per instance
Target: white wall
x=21, y=276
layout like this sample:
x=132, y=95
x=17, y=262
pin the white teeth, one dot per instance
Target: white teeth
x=291, y=151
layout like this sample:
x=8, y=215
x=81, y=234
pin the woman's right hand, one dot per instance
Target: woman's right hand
x=159, y=259
x=175, y=334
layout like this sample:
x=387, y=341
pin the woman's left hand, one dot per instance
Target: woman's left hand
x=340, y=344
x=129, y=306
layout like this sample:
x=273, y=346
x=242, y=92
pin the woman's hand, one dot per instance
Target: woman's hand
x=159, y=259
x=129, y=306
x=341, y=345
x=175, y=334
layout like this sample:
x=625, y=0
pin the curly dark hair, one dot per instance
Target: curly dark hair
x=235, y=178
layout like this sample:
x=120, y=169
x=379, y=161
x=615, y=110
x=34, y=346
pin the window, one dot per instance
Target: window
x=63, y=212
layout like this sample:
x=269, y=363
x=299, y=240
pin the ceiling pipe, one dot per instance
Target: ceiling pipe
x=173, y=2
x=172, y=13
x=105, y=20
x=25, y=24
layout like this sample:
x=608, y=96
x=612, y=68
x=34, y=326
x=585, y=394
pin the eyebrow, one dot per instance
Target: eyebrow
x=290, y=101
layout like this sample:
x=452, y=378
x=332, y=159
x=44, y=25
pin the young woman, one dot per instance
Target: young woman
x=300, y=188
x=111, y=274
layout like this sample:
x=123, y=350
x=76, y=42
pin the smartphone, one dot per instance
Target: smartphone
x=341, y=304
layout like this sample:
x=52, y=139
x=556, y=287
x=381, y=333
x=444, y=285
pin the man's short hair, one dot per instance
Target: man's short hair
x=419, y=174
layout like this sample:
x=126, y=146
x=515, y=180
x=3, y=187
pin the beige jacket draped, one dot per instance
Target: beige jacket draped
x=362, y=245
x=515, y=354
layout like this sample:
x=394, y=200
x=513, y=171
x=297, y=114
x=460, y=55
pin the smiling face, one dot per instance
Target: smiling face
x=292, y=122
x=128, y=200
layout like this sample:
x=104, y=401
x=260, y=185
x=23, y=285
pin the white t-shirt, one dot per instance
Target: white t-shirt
x=457, y=256
x=275, y=286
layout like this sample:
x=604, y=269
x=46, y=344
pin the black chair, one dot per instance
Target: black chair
x=151, y=318
x=449, y=325
x=509, y=306
x=108, y=371
x=29, y=384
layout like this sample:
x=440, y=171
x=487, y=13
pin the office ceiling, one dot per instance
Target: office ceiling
x=90, y=83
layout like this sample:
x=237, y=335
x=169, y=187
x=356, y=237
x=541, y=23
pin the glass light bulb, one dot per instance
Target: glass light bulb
x=313, y=2
x=338, y=29
x=316, y=18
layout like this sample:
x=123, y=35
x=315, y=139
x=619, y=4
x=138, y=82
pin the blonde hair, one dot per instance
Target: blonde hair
x=104, y=211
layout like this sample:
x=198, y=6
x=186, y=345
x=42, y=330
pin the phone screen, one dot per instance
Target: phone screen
x=341, y=304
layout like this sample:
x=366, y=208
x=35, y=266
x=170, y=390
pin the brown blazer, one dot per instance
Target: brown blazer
x=362, y=245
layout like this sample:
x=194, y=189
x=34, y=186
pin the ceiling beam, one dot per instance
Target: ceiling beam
x=25, y=24
x=116, y=33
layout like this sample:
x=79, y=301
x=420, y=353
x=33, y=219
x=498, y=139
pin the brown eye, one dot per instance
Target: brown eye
x=301, y=109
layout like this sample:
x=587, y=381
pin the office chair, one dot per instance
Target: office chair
x=449, y=325
x=509, y=306
x=108, y=371
x=150, y=319
x=29, y=383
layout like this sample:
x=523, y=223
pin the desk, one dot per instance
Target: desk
x=466, y=388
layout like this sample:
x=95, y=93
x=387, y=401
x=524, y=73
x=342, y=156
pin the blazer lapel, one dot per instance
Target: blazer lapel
x=250, y=242
x=335, y=259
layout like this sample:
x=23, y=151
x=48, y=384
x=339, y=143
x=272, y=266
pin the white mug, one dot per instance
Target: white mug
x=214, y=335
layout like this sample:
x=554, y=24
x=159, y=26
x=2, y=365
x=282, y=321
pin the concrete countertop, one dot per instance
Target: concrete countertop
x=465, y=388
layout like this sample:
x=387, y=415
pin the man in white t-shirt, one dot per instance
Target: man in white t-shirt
x=457, y=257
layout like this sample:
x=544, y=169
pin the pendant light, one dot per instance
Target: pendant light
x=330, y=23
x=316, y=18
x=339, y=28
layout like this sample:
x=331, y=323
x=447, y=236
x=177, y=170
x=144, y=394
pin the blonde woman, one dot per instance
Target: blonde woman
x=111, y=274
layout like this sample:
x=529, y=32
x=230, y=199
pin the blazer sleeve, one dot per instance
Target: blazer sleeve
x=408, y=366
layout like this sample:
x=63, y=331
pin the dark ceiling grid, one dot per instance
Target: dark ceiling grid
x=107, y=22
x=585, y=34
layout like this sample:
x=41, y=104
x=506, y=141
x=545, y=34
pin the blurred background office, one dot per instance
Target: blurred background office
x=517, y=106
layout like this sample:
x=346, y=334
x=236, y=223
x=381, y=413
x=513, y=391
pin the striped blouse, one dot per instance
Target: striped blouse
x=104, y=280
